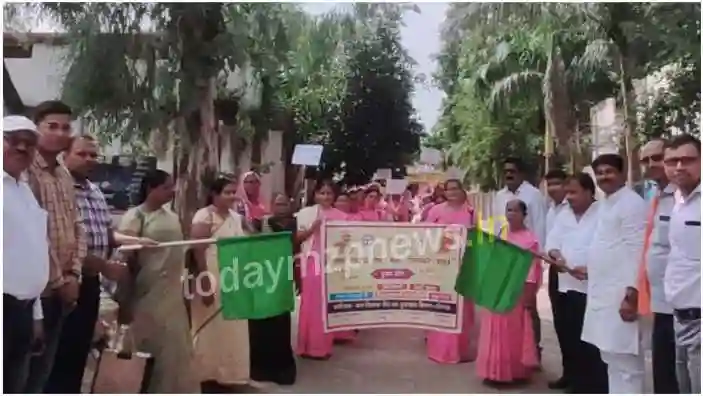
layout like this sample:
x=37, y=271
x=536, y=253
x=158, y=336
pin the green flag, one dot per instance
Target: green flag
x=493, y=272
x=256, y=275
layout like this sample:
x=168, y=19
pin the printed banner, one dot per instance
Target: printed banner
x=391, y=275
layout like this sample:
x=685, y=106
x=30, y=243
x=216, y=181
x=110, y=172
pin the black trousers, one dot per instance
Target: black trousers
x=17, y=328
x=555, y=298
x=76, y=339
x=664, y=354
x=586, y=370
x=40, y=366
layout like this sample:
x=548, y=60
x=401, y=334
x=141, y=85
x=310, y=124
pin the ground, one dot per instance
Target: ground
x=394, y=361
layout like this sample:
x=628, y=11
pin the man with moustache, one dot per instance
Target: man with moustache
x=611, y=321
x=555, y=180
x=682, y=279
x=53, y=188
x=25, y=254
x=516, y=187
x=79, y=326
x=657, y=252
x=568, y=243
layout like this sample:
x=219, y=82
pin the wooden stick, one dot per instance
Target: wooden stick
x=539, y=255
x=191, y=242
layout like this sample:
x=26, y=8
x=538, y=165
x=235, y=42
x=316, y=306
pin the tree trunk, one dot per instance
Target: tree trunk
x=199, y=161
x=630, y=123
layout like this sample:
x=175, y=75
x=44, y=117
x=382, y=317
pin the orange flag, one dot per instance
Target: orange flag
x=644, y=300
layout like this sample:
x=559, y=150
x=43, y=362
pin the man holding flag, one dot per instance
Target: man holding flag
x=568, y=242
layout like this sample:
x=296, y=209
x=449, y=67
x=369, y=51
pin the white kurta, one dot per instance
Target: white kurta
x=613, y=261
x=572, y=237
x=536, y=210
x=25, y=254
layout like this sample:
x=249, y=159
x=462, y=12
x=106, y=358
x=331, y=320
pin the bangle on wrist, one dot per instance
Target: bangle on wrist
x=73, y=273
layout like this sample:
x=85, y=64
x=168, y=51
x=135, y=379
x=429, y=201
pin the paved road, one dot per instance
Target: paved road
x=393, y=361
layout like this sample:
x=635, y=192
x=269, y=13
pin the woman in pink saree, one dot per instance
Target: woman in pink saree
x=345, y=204
x=250, y=204
x=371, y=210
x=444, y=347
x=507, y=352
x=399, y=207
x=437, y=197
x=313, y=342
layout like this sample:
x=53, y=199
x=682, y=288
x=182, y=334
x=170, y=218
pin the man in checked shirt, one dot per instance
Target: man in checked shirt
x=53, y=187
x=77, y=334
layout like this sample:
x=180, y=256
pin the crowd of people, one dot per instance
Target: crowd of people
x=610, y=258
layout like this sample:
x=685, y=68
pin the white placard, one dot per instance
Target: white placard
x=430, y=156
x=454, y=173
x=396, y=186
x=383, y=174
x=307, y=154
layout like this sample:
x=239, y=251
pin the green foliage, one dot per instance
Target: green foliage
x=554, y=61
x=137, y=67
x=378, y=125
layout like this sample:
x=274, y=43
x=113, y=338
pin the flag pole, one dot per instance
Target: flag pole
x=539, y=255
x=191, y=242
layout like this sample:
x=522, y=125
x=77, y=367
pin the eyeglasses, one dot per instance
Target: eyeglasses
x=685, y=161
x=652, y=158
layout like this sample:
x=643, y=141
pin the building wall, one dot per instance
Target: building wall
x=40, y=78
x=272, y=181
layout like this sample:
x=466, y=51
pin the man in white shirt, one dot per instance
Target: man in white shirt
x=25, y=255
x=663, y=346
x=516, y=187
x=682, y=279
x=613, y=259
x=568, y=243
x=555, y=180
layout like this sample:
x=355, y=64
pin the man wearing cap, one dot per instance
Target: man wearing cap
x=53, y=187
x=25, y=255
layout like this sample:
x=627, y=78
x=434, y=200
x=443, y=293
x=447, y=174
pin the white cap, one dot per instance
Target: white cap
x=16, y=123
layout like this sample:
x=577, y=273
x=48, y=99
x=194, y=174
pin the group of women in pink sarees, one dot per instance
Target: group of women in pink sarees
x=504, y=351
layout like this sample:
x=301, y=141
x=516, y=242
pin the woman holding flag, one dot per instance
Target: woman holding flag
x=446, y=347
x=160, y=320
x=507, y=352
x=222, y=366
x=272, y=356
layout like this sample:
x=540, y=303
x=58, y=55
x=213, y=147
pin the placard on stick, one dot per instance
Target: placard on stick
x=383, y=174
x=396, y=186
x=430, y=156
x=307, y=154
x=454, y=173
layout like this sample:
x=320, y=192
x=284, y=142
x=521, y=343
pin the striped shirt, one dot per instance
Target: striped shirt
x=95, y=214
x=53, y=188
